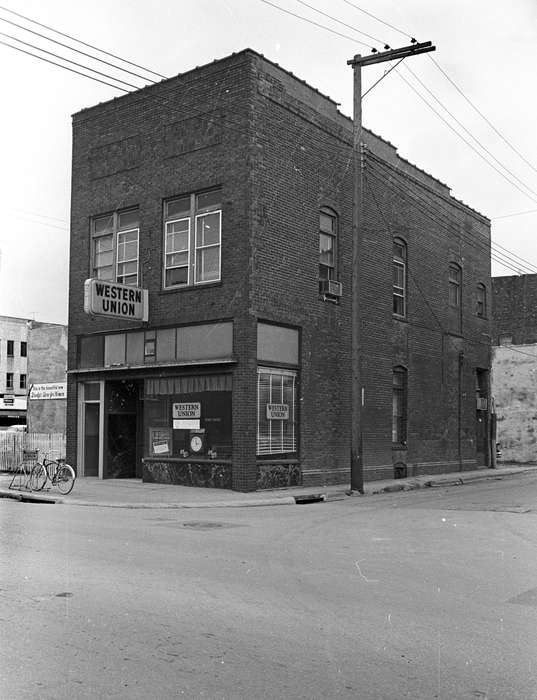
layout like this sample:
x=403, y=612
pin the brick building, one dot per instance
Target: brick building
x=13, y=370
x=514, y=365
x=227, y=194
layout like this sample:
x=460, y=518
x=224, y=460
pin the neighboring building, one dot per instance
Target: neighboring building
x=514, y=365
x=47, y=367
x=33, y=364
x=13, y=370
x=227, y=194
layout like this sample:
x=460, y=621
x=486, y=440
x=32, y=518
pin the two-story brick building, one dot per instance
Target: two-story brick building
x=227, y=194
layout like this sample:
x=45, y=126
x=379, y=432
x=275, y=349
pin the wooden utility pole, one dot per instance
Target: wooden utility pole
x=357, y=395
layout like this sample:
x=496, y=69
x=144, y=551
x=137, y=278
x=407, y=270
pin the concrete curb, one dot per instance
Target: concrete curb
x=420, y=482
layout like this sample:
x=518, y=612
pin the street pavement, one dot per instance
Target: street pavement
x=133, y=493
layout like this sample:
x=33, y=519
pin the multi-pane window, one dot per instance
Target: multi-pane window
x=327, y=245
x=481, y=300
x=24, y=348
x=9, y=380
x=276, y=411
x=192, y=239
x=399, y=413
x=454, y=285
x=116, y=247
x=22, y=381
x=399, y=277
x=10, y=348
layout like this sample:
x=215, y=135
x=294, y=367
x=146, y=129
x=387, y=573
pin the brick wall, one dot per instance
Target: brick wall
x=514, y=308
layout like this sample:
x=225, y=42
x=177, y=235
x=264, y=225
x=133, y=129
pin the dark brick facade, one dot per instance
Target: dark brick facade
x=514, y=309
x=280, y=151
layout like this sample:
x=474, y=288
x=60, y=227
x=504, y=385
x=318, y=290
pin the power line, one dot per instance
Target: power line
x=68, y=60
x=517, y=213
x=468, y=132
x=379, y=41
x=315, y=24
x=41, y=58
x=71, y=48
x=369, y=14
x=470, y=145
x=83, y=43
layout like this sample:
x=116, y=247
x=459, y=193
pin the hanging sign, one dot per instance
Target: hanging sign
x=277, y=411
x=103, y=298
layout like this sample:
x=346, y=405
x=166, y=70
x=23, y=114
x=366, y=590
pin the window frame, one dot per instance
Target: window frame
x=194, y=250
x=281, y=443
x=10, y=381
x=24, y=348
x=115, y=233
x=23, y=381
x=481, y=301
x=455, y=285
x=399, y=401
x=333, y=235
x=10, y=348
x=400, y=292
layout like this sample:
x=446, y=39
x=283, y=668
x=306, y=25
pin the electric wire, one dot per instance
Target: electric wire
x=349, y=26
x=83, y=43
x=42, y=58
x=453, y=227
x=430, y=92
x=429, y=207
x=68, y=60
x=71, y=48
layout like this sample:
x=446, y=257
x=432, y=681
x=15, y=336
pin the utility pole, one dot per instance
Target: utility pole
x=357, y=392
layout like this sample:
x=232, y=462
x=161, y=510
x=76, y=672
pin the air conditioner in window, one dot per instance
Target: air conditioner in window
x=482, y=404
x=330, y=288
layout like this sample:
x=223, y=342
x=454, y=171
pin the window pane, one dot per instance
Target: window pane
x=276, y=436
x=208, y=199
x=177, y=207
x=398, y=275
x=91, y=351
x=128, y=219
x=326, y=249
x=91, y=391
x=127, y=246
x=327, y=223
x=176, y=276
x=103, y=225
x=166, y=344
x=177, y=235
x=208, y=229
x=208, y=264
x=114, y=349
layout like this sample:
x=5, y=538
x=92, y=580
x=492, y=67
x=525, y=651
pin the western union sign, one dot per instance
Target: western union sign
x=103, y=298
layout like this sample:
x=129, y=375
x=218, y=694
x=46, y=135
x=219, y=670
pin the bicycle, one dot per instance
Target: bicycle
x=56, y=471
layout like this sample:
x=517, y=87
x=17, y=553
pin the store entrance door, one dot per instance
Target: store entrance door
x=123, y=416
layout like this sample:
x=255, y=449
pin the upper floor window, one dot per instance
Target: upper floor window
x=115, y=247
x=24, y=348
x=192, y=239
x=327, y=245
x=22, y=381
x=399, y=412
x=9, y=380
x=399, y=277
x=481, y=307
x=10, y=348
x=454, y=285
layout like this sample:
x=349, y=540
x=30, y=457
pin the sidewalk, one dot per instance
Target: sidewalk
x=132, y=493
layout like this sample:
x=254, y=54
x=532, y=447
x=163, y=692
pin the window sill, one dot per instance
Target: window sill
x=190, y=287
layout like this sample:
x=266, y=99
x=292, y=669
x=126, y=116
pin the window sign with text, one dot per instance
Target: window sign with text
x=277, y=411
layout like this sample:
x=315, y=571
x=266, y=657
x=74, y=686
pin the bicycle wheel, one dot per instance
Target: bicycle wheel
x=65, y=479
x=38, y=478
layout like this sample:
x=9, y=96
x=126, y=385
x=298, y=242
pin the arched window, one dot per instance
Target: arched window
x=481, y=300
x=327, y=244
x=399, y=277
x=400, y=400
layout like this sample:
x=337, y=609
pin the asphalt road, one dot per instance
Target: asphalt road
x=426, y=595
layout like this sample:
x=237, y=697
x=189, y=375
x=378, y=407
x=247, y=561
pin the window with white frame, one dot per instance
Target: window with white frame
x=399, y=277
x=327, y=244
x=115, y=254
x=192, y=239
x=276, y=411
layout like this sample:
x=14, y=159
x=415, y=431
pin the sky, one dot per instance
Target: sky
x=465, y=113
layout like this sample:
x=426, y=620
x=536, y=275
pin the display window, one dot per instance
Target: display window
x=188, y=417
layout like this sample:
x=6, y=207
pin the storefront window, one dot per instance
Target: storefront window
x=188, y=417
x=276, y=412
